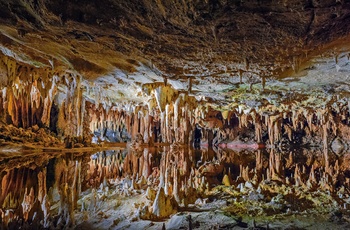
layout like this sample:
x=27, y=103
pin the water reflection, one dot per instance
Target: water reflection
x=48, y=190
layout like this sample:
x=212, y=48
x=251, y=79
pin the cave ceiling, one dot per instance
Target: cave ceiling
x=221, y=52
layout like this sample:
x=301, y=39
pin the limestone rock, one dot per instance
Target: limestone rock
x=163, y=206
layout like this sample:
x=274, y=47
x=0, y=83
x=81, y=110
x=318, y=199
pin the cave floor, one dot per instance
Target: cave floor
x=118, y=212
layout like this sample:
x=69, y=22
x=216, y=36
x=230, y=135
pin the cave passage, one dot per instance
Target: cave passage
x=165, y=114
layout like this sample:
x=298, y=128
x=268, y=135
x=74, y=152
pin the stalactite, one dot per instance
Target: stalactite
x=162, y=169
x=274, y=128
x=167, y=124
x=74, y=189
x=259, y=164
x=275, y=165
x=79, y=106
x=146, y=171
x=28, y=203
x=48, y=102
x=258, y=127
x=42, y=185
x=176, y=184
x=135, y=125
x=45, y=207
x=290, y=161
x=163, y=126
x=325, y=146
x=148, y=133
x=245, y=173
x=186, y=126
x=141, y=115
x=295, y=119
x=166, y=168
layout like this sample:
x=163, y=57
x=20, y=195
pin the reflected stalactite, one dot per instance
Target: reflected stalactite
x=259, y=164
x=275, y=165
x=172, y=177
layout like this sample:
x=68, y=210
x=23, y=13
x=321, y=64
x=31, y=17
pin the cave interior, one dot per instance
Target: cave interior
x=214, y=114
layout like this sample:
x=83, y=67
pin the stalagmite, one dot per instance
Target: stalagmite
x=163, y=206
x=258, y=127
x=226, y=180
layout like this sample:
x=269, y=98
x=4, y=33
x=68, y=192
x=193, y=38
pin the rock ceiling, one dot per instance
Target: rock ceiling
x=221, y=52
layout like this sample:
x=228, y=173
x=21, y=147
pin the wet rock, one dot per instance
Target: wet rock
x=78, y=145
x=150, y=193
x=178, y=221
x=163, y=206
x=255, y=196
x=336, y=216
x=226, y=180
x=35, y=128
x=68, y=142
x=200, y=221
x=338, y=146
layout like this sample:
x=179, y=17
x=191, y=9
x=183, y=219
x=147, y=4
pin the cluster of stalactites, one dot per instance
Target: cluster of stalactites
x=171, y=117
x=174, y=180
x=137, y=121
x=72, y=108
x=168, y=123
x=314, y=122
x=27, y=93
x=320, y=122
x=24, y=194
x=30, y=197
x=315, y=173
x=312, y=174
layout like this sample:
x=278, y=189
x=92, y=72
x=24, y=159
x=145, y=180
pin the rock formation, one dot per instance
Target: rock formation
x=206, y=98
